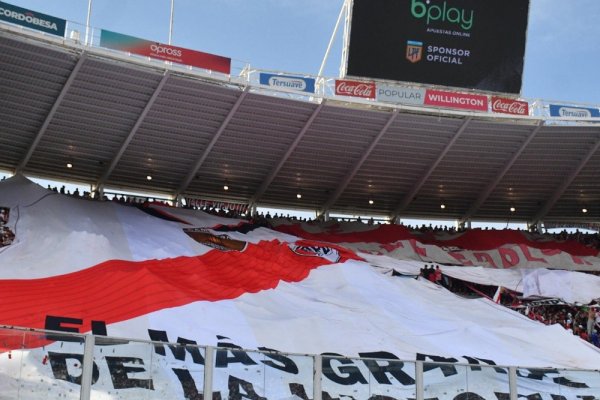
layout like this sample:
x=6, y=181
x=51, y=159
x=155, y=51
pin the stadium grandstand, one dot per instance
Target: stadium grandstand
x=158, y=277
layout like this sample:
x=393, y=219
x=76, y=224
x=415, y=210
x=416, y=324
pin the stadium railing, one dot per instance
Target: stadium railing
x=52, y=364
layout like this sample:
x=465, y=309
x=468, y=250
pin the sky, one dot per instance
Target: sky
x=562, y=57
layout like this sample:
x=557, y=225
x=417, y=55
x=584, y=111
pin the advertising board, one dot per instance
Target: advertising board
x=460, y=43
x=299, y=83
x=473, y=102
x=161, y=51
x=509, y=106
x=400, y=94
x=573, y=111
x=32, y=19
x=365, y=90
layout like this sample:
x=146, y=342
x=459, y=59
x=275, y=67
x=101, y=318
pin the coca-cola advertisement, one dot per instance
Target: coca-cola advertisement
x=366, y=90
x=509, y=106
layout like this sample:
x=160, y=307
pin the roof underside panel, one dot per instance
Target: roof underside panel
x=94, y=117
x=398, y=162
x=331, y=145
x=470, y=165
x=109, y=111
x=581, y=195
x=31, y=79
x=177, y=128
x=539, y=172
x=254, y=141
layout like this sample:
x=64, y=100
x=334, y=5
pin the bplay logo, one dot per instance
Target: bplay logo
x=434, y=13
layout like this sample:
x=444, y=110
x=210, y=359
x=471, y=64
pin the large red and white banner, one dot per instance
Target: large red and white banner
x=509, y=106
x=365, y=90
x=463, y=101
x=89, y=266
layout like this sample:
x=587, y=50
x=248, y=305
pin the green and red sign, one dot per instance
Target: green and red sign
x=161, y=51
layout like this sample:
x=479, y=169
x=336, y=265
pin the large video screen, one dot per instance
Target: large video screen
x=474, y=44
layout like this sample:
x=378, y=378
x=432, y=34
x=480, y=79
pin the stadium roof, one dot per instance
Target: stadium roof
x=118, y=120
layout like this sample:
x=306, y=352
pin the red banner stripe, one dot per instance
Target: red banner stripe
x=473, y=239
x=120, y=290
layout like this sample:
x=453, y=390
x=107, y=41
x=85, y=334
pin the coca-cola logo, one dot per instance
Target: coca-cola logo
x=507, y=106
x=355, y=89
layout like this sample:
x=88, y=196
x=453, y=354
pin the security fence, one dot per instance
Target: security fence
x=37, y=364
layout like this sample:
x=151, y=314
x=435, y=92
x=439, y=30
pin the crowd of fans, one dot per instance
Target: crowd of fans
x=132, y=200
x=221, y=212
x=264, y=219
x=581, y=320
x=585, y=238
x=6, y=235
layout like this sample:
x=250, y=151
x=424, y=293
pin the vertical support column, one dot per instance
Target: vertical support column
x=88, y=367
x=419, y=386
x=87, y=24
x=512, y=382
x=252, y=207
x=178, y=201
x=331, y=40
x=171, y=22
x=100, y=191
x=346, y=38
x=462, y=224
x=317, y=373
x=209, y=363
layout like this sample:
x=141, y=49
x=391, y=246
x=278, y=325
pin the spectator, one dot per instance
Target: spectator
x=438, y=275
x=3, y=216
x=591, y=321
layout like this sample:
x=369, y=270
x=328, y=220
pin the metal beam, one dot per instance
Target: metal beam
x=340, y=189
x=269, y=179
x=483, y=196
x=188, y=179
x=50, y=116
x=332, y=39
x=133, y=131
x=419, y=184
x=565, y=184
x=87, y=367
